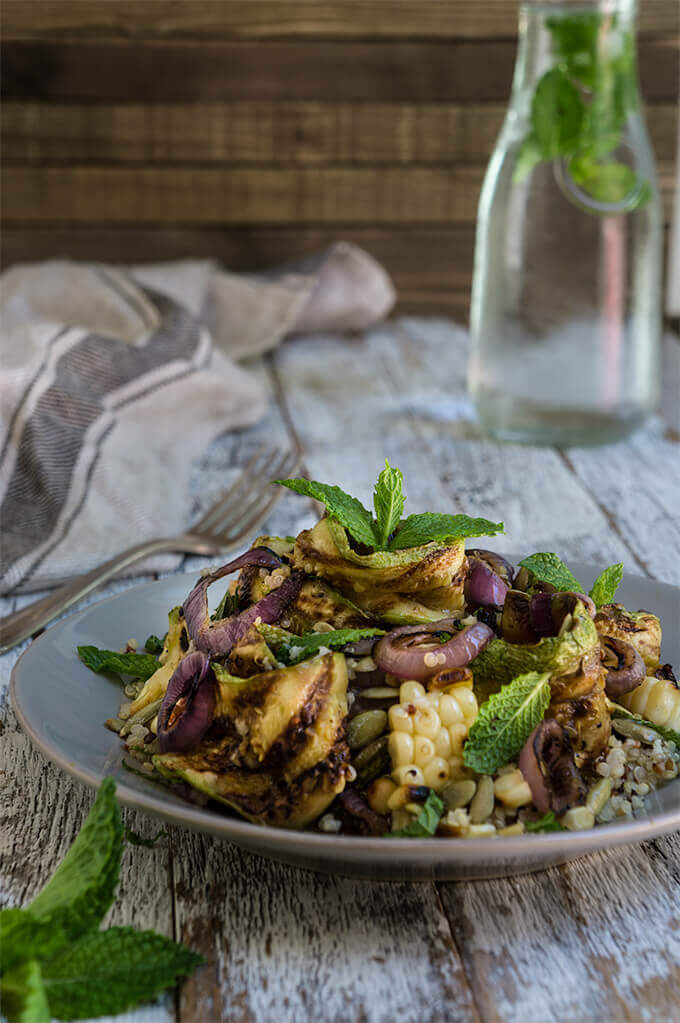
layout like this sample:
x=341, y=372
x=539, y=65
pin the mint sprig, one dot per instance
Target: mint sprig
x=387, y=532
x=430, y=526
x=547, y=823
x=506, y=721
x=605, y=586
x=549, y=568
x=53, y=959
x=388, y=501
x=426, y=822
x=137, y=665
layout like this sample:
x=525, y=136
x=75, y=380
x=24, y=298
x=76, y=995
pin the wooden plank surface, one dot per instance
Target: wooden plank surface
x=277, y=133
x=281, y=18
x=326, y=195
x=210, y=70
x=593, y=941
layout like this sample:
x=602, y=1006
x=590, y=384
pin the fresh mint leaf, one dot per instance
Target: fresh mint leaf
x=349, y=511
x=107, y=972
x=605, y=586
x=22, y=995
x=506, y=721
x=137, y=665
x=574, y=41
x=23, y=937
x=548, y=822
x=83, y=886
x=301, y=648
x=154, y=645
x=429, y=526
x=549, y=568
x=426, y=822
x=556, y=114
x=388, y=501
x=149, y=843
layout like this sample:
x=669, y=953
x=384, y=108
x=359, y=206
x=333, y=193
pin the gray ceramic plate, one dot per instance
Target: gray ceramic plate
x=62, y=705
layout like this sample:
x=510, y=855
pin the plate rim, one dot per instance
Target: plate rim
x=524, y=847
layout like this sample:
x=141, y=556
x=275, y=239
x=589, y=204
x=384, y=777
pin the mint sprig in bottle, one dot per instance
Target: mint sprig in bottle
x=566, y=306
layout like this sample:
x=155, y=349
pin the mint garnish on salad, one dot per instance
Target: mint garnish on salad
x=506, y=721
x=388, y=531
x=549, y=568
x=55, y=961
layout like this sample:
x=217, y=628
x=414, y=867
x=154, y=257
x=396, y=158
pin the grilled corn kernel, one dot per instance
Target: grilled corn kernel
x=399, y=798
x=379, y=794
x=408, y=774
x=424, y=751
x=450, y=710
x=411, y=692
x=436, y=773
x=457, y=735
x=579, y=818
x=400, y=746
x=442, y=744
x=467, y=701
x=480, y=831
x=657, y=700
x=455, y=822
x=426, y=721
x=512, y=829
x=512, y=790
x=599, y=794
x=399, y=719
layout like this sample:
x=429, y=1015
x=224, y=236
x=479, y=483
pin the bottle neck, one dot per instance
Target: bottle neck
x=586, y=40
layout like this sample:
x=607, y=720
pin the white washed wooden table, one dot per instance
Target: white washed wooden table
x=594, y=940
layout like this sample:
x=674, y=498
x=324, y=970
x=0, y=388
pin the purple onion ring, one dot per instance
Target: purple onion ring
x=188, y=705
x=483, y=586
x=412, y=652
x=625, y=669
x=496, y=563
x=220, y=636
x=547, y=763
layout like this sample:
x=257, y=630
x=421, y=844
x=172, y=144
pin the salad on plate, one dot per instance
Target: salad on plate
x=373, y=676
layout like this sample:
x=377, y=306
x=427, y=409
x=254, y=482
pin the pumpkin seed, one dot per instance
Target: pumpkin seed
x=365, y=727
x=380, y=693
x=482, y=804
x=458, y=793
x=599, y=794
x=634, y=730
x=372, y=761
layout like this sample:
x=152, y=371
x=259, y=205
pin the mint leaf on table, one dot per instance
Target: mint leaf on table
x=107, y=972
x=349, y=511
x=300, y=648
x=388, y=501
x=83, y=886
x=426, y=822
x=149, y=843
x=137, y=665
x=24, y=937
x=605, y=586
x=549, y=568
x=23, y=995
x=548, y=822
x=429, y=526
x=506, y=721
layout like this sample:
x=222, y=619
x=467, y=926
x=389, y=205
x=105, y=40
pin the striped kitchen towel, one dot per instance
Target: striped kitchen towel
x=115, y=381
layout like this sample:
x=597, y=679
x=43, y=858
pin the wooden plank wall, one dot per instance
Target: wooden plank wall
x=254, y=131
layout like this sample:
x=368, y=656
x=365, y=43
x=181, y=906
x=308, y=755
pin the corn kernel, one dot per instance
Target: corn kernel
x=579, y=818
x=480, y=831
x=399, y=798
x=457, y=734
x=400, y=747
x=512, y=790
x=379, y=794
x=426, y=721
x=408, y=774
x=411, y=692
x=436, y=773
x=449, y=710
x=467, y=702
x=512, y=829
x=423, y=751
x=442, y=744
x=400, y=719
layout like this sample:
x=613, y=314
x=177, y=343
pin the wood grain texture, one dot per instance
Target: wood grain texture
x=281, y=18
x=596, y=940
x=276, y=133
x=164, y=72
x=327, y=195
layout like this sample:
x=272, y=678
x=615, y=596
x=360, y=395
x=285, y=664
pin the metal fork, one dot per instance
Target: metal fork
x=222, y=528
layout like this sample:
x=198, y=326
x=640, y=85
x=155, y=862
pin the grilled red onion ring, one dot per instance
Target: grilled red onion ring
x=624, y=666
x=220, y=636
x=188, y=705
x=547, y=763
x=547, y=611
x=413, y=651
x=483, y=586
x=498, y=564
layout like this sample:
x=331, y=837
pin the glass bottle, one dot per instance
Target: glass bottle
x=566, y=305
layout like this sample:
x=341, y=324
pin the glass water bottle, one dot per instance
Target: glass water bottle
x=566, y=306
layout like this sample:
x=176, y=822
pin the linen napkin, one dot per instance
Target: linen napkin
x=114, y=381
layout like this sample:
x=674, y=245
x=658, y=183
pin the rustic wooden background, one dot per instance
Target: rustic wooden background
x=254, y=131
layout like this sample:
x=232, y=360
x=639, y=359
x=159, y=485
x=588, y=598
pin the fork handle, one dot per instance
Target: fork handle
x=21, y=624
